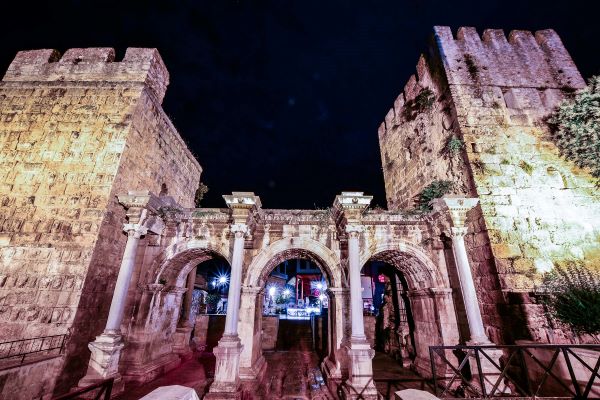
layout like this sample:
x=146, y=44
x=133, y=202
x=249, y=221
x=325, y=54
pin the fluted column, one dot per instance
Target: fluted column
x=189, y=297
x=467, y=286
x=348, y=210
x=458, y=208
x=354, y=267
x=106, y=348
x=183, y=332
x=226, y=385
x=117, y=305
x=235, y=281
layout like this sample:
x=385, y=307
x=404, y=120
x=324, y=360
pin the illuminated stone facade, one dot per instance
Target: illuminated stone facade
x=537, y=210
x=88, y=153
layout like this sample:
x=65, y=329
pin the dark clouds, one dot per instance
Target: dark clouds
x=284, y=98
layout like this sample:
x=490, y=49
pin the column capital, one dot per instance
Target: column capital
x=251, y=289
x=458, y=232
x=353, y=230
x=458, y=208
x=239, y=230
x=135, y=230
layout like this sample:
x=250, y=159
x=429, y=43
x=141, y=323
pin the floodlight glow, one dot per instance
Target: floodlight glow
x=319, y=285
x=272, y=291
x=287, y=292
x=222, y=279
x=322, y=297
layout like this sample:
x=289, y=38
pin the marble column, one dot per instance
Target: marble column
x=360, y=384
x=227, y=377
x=106, y=349
x=467, y=286
x=182, y=336
x=458, y=208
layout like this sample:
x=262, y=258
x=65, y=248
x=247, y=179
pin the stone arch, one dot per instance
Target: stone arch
x=252, y=361
x=177, y=260
x=419, y=270
x=430, y=298
x=294, y=247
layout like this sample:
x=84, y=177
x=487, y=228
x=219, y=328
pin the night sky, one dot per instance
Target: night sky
x=284, y=98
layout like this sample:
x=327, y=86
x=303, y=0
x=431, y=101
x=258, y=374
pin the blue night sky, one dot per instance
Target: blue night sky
x=284, y=98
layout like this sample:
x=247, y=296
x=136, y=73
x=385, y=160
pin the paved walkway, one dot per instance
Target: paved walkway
x=196, y=373
x=289, y=375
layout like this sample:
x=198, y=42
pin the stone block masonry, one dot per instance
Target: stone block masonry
x=76, y=131
x=537, y=210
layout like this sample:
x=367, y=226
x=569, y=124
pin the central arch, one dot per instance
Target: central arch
x=293, y=247
x=252, y=363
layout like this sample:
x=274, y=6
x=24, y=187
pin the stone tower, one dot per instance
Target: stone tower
x=75, y=132
x=536, y=209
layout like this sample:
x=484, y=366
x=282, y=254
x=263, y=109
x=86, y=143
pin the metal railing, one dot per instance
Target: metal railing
x=104, y=392
x=502, y=371
x=392, y=385
x=19, y=350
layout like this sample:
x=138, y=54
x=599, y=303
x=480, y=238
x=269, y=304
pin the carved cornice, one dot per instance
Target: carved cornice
x=242, y=200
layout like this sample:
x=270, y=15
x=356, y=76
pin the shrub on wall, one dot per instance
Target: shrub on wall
x=434, y=190
x=575, y=128
x=200, y=192
x=573, y=297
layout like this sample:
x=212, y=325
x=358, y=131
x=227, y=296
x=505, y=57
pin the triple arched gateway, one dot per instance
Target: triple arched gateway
x=166, y=243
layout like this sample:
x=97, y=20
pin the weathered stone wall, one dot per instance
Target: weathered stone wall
x=32, y=380
x=75, y=132
x=270, y=328
x=537, y=210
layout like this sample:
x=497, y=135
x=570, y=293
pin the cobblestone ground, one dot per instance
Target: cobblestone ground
x=293, y=375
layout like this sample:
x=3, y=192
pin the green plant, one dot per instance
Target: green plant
x=575, y=128
x=478, y=166
x=424, y=100
x=281, y=299
x=434, y=190
x=421, y=103
x=471, y=66
x=504, y=161
x=200, y=192
x=212, y=300
x=525, y=166
x=573, y=297
x=454, y=145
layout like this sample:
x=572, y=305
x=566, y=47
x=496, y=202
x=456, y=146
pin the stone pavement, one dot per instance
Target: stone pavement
x=290, y=375
x=294, y=375
x=196, y=373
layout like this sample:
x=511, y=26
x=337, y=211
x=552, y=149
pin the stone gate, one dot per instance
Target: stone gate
x=99, y=234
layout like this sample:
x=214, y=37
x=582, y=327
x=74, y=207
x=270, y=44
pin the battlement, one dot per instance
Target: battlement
x=91, y=65
x=524, y=59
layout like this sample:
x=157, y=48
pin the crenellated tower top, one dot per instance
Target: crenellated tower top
x=91, y=65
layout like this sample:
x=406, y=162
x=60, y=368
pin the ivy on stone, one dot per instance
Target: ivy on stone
x=434, y=190
x=575, y=128
x=200, y=192
x=454, y=145
x=422, y=102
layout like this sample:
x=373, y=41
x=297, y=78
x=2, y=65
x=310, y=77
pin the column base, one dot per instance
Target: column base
x=255, y=372
x=181, y=342
x=490, y=373
x=332, y=372
x=360, y=384
x=227, y=376
x=104, y=362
